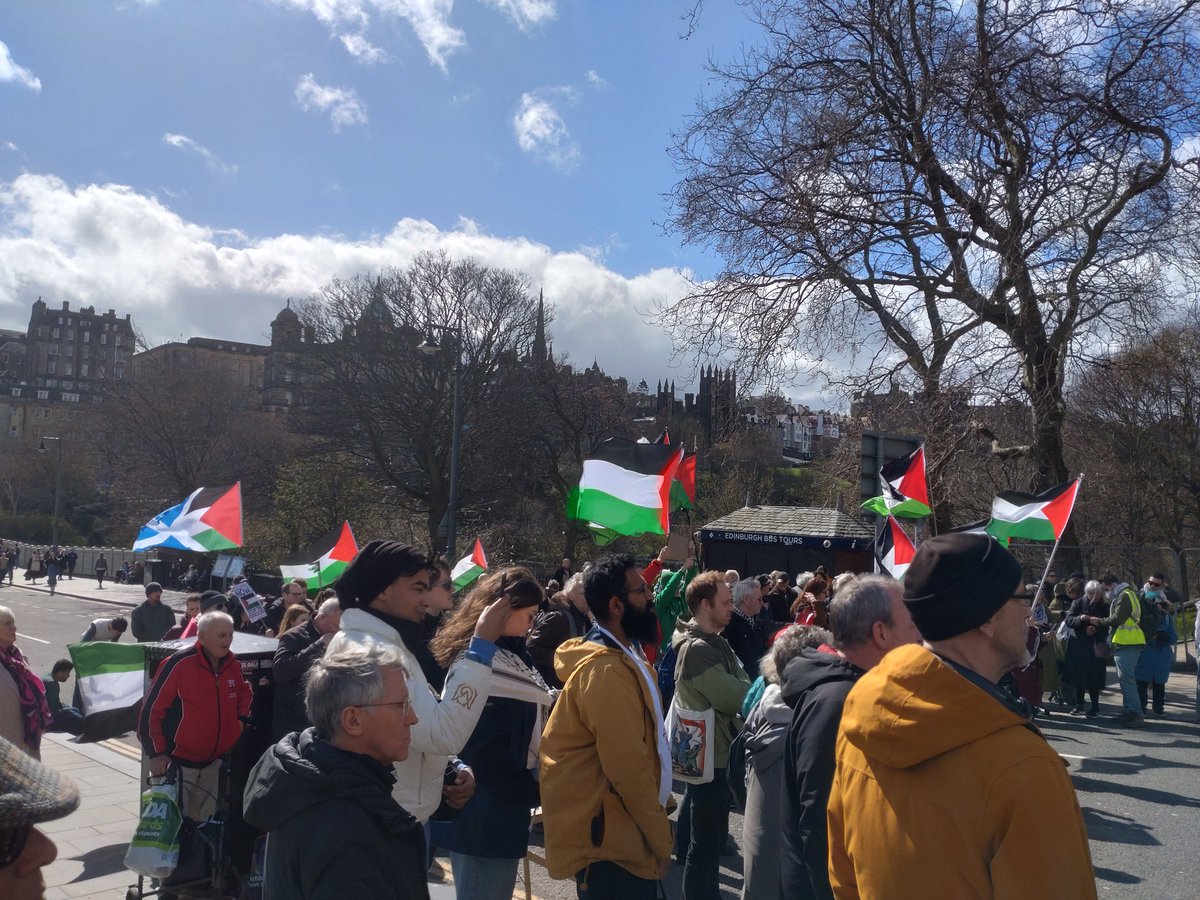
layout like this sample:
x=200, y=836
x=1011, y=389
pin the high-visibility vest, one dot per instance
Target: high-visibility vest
x=1129, y=632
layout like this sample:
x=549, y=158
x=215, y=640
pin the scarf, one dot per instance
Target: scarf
x=35, y=712
x=664, y=752
x=516, y=679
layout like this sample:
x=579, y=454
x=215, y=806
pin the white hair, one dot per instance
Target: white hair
x=210, y=618
x=745, y=589
x=6, y=614
x=329, y=607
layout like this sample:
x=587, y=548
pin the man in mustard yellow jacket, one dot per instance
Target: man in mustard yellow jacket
x=944, y=787
x=605, y=769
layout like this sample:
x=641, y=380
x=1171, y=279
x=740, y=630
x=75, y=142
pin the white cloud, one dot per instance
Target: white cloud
x=214, y=162
x=342, y=104
x=429, y=20
x=111, y=246
x=542, y=133
x=9, y=145
x=361, y=49
x=595, y=79
x=11, y=71
x=525, y=13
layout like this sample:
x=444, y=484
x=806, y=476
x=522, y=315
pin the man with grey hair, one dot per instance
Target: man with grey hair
x=553, y=626
x=867, y=619
x=340, y=771
x=744, y=633
x=298, y=649
x=194, y=713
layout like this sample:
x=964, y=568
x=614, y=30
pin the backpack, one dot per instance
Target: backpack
x=1151, y=620
x=666, y=675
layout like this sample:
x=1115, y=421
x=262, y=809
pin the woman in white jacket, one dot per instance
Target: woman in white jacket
x=382, y=594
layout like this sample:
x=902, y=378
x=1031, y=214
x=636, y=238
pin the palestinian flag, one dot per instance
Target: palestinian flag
x=210, y=519
x=893, y=549
x=469, y=567
x=978, y=527
x=905, y=493
x=683, y=488
x=601, y=536
x=321, y=562
x=625, y=486
x=1034, y=517
x=111, y=680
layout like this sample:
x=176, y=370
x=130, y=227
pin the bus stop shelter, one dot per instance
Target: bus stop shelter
x=759, y=539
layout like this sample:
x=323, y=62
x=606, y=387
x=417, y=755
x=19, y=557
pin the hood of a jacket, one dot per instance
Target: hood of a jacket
x=574, y=652
x=767, y=727
x=913, y=707
x=811, y=669
x=302, y=771
x=687, y=629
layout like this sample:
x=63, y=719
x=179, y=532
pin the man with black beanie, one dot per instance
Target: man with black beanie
x=944, y=786
x=382, y=594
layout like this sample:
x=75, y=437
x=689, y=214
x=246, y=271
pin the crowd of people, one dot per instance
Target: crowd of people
x=865, y=727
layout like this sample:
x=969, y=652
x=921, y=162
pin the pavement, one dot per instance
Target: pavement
x=1138, y=789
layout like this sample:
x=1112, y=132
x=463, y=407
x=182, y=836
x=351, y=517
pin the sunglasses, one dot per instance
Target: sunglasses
x=12, y=843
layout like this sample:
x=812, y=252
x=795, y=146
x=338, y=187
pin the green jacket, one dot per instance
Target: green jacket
x=1120, y=611
x=669, y=603
x=709, y=676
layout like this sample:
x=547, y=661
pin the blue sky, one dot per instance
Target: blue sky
x=195, y=164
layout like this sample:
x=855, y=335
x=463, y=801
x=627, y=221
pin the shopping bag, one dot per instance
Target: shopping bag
x=690, y=739
x=154, y=850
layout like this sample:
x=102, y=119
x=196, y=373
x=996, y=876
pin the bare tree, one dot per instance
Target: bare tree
x=381, y=399
x=953, y=183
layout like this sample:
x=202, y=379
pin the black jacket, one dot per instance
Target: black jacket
x=748, y=641
x=298, y=649
x=302, y=791
x=815, y=685
x=780, y=604
x=550, y=629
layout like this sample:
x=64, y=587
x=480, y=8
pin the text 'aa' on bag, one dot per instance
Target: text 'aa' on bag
x=154, y=850
x=690, y=739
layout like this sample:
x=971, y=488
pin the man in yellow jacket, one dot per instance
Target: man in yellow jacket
x=944, y=787
x=605, y=768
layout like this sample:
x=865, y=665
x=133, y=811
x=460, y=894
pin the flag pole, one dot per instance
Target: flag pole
x=1054, y=549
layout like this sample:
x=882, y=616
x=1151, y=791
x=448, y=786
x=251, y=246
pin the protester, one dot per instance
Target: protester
x=295, y=593
x=562, y=621
x=563, y=573
x=779, y=599
x=24, y=713
x=210, y=601
x=298, y=650
x=491, y=834
x=439, y=600
x=382, y=594
x=757, y=780
x=70, y=560
x=292, y=616
x=812, y=606
x=30, y=794
x=605, y=767
x=152, y=618
x=63, y=719
x=943, y=785
x=1086, y=658
x=708, y=676
x=1124, y=622
x=731, y=578
x=338, y=775
x=191, y=609
x=1155, y=664
x=186, y=723
x=745, y=633
x=867, y=619
x=105, y=630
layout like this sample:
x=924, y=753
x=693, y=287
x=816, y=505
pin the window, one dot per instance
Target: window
x=119, y=372
x=16, y=392
x=54, y=334
x=50, y=366
x=52, y=350
x=68, y=367
x=70, y=398
x=87, y=337
x=83, y=370
x=104, y=338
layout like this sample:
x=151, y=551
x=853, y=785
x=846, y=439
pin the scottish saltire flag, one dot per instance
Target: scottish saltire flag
x=210, y=519
x=110, y=678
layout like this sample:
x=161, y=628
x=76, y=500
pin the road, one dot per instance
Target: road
x=1139, y=790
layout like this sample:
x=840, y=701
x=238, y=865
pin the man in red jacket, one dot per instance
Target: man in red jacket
x=194, y=712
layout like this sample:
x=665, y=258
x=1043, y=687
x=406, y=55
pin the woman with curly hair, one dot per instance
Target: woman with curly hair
x=491, y=834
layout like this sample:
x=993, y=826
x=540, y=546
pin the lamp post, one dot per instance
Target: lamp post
x=430, y=346
x=42, y=448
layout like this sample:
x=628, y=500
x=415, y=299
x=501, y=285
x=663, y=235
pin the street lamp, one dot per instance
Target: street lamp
x=430, y=347
x=42, y=448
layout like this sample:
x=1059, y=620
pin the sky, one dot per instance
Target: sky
x=196, y=164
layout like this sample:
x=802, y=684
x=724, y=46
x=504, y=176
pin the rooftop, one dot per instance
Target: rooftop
x=798, y=520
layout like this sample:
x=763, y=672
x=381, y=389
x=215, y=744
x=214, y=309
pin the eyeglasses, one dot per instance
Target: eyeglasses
x=641, y=589
x=405, y=705
x=12, y=843
x=1156, y=584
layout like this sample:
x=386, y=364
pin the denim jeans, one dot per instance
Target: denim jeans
x=481, y=878
x=607, y=881
x=710, y=825
x=1126, y=659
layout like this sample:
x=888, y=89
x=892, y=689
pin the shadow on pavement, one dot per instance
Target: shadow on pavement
x=102, y=861
x=1117, y=877
x=1149, y=795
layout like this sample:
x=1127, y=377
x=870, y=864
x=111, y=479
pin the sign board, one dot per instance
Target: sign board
x=251, y=602
x=228, y=566
x=878, y=448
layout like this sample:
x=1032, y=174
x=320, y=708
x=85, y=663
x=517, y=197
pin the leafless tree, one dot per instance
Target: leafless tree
x=951, y=183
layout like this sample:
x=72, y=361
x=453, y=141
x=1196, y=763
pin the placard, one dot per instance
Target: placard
x=251, y=602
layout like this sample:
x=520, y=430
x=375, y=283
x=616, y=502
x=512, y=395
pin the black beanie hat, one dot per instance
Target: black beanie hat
x=211, y=600
x=376, y=566
x=957, y=581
